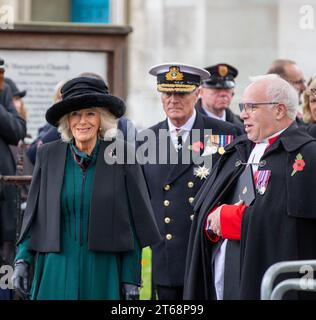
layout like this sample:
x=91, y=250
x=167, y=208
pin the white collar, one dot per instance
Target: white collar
x=212, y=115
x=186, y=127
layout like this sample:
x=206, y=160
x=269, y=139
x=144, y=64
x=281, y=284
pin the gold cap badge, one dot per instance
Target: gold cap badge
x=222, y=70
x=174, y=74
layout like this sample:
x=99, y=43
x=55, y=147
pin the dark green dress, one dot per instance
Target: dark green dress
x=76, y=272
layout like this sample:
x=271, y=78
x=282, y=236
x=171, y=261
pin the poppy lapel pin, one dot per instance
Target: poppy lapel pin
x=298, y=165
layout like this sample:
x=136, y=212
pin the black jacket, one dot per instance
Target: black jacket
x=119, y=191
x=279, y=225
x=12, y=130
x=177, y=184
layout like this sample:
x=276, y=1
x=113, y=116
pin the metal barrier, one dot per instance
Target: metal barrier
x=299, y=284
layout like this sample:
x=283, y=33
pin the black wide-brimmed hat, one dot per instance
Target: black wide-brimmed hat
x=15, y=91
x=81, y=93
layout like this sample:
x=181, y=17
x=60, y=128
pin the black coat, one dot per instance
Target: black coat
x=230, y=116
x=119, y=192
x=178, y=185
x=311, y=129
x=280, y=224
x=12, y=130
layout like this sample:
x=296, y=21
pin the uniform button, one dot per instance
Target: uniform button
x=168, y=236
x=167, y=220
x=191, y=199
x=190, y=184
x=191, y=217
x=166, y=203
x=167, y=187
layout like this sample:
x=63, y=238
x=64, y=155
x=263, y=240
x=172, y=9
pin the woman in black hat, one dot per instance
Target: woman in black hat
x=87, y=216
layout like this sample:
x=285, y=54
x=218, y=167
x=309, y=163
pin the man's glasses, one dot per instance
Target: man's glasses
x=251, y=107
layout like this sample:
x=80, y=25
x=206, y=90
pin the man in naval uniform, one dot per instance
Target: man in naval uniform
x=216, y=94
x=174, y=183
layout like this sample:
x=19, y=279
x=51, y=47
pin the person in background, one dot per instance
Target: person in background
x=309, y=107
x=86, y=218
x=12, y=130
x=216, y=94
x=293, y=74
x=17, y=98
x=24, y=166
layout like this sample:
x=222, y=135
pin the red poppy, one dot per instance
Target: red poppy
x=197, y=146
x=299, y=164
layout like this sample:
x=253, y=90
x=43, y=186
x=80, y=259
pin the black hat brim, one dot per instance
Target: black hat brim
x=20, y=94
x=114, y=104
x=219, y=84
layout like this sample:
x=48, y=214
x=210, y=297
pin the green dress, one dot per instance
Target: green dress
x=76, y=272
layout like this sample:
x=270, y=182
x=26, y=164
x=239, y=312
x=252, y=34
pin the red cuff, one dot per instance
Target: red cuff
x=230, y=219
x=210, y=235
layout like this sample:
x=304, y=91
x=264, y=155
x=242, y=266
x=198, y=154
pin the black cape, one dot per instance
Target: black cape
x=280, y=225
x=119, y=199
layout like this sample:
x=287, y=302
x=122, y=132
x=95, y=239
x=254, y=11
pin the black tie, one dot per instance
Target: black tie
x=179, y=137
x=180, y=142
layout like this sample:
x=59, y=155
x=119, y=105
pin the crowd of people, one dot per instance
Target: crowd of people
x=88, y=214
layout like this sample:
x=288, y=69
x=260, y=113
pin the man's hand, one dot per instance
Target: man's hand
x=215, y=222
x=214, y=219
x=130, y=291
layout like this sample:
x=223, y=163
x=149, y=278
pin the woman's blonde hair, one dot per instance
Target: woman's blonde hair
x=307, y=115
x=108, y=126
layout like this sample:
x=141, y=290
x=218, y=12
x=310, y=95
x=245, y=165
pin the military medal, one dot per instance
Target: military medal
x=221, y=144
x=213, y=149
x=201, y=172
x=221, y=150
x=262, y=178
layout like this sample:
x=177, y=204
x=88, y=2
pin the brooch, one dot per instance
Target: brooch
x=298, y=165
x=196, y=146
x=201, y=172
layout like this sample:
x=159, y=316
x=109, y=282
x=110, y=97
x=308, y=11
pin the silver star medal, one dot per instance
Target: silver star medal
x=201, y=172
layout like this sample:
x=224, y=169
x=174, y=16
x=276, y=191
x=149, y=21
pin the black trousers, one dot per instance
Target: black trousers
x=169, y=293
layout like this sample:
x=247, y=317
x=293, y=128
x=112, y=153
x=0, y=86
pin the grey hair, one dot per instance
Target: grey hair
x=279, y=90
x=108, y=126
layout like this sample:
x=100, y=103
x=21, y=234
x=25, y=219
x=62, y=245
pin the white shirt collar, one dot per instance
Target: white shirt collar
x=186, y=127
x=212, y=115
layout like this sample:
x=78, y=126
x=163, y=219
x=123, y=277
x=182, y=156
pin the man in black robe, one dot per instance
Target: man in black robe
x=280, y=223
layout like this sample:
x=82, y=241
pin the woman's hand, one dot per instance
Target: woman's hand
x=20, y=279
